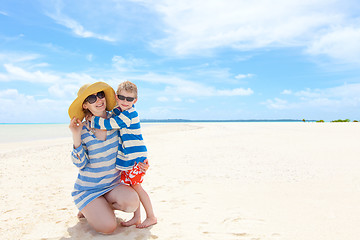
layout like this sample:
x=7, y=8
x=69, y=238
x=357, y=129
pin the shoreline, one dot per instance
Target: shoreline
x=20, y=132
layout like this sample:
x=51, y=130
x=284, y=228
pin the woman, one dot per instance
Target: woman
x=98, y=191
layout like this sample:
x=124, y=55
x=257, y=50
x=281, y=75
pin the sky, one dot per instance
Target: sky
x=191, y=59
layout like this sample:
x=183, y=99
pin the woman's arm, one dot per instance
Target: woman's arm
x=78, y=154
x=79, y=157
x=75, y=127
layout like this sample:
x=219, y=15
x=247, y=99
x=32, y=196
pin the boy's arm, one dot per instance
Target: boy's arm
x=116, y=111
x=123, y=120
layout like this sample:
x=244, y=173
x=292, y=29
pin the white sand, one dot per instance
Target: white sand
x=206, y=181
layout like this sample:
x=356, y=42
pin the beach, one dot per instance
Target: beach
x=225, y=181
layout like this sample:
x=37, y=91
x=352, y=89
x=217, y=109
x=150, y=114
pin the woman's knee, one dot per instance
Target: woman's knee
x=100, y=216
x=107, y=227
x=124, y=198
x=128, y=204
x=130, y=207
x=131, y=202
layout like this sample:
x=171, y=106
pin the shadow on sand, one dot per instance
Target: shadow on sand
x=82, y=230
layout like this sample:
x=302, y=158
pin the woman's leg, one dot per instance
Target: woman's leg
x=100, y=215
x=123, y=198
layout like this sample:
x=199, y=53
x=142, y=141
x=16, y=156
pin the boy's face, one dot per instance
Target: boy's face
x=124, y=104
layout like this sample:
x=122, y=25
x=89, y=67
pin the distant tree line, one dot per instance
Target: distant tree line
x=338, y=120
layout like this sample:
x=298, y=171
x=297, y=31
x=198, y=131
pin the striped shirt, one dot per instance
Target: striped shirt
x=132, y=149
x=96, y=162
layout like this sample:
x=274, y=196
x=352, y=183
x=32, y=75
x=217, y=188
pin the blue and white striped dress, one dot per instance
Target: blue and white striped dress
x=96, y=162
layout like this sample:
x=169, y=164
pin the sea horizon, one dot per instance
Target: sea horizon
x=187, y=120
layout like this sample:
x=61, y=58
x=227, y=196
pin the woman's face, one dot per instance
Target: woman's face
x=97, y=108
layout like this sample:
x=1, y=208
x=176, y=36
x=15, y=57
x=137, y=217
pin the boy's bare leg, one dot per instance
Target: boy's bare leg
x=145, y=200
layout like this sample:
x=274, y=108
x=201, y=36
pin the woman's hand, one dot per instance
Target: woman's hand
x=75, y=127
x=144, y=166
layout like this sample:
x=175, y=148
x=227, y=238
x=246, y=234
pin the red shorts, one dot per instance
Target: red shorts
x=133, y=176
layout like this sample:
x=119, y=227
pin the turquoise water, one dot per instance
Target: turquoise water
x=250, y=120
x=29, y=132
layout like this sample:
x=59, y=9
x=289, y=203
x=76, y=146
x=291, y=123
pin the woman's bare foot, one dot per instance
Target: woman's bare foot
x=80, y=215
x=149, y=221
x=133, y=221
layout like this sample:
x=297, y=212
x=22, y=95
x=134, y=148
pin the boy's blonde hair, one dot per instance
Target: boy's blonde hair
x=128, y=87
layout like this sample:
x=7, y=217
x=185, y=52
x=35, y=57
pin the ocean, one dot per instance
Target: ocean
x=34, y=131
x=30, y=132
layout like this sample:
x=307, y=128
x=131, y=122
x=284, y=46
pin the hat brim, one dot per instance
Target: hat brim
x=76, y=108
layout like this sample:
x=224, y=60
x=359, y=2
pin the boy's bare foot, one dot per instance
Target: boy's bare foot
x=133, y=221
x=149, y=221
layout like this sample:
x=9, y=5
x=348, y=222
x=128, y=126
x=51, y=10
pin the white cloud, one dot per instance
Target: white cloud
x=18, y=107
x=17, y=57
x=3, y=77
x=89, y=57
x=123, y=65
x=9, y=93
x=308, y=93
x=197, y=27
x=63, y=90
x=235, y=92
x=286, y=92
x=343, y=91
x=75, y=26
x=242, y=76
x=20, y=74
x=39, y=65
x=241, y=24
x=80, y=78
x=162, y=99
x=342, y=43
x=337, y=98
x=59, y=85
x=15, y=73
x=4, y=13
x=178, y=86
x=277, y=103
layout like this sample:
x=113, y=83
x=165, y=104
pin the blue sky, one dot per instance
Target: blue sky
x=191, y=59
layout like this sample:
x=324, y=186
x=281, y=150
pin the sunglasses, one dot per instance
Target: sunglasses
x=129, y=99
x=93, y=98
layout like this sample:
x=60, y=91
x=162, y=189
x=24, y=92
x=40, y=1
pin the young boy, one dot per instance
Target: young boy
x=131, y=150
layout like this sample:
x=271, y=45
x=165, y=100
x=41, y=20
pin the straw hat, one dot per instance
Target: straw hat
x=76, y=108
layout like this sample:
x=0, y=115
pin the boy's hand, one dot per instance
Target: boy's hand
x=88, y=116
x=144, y=166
